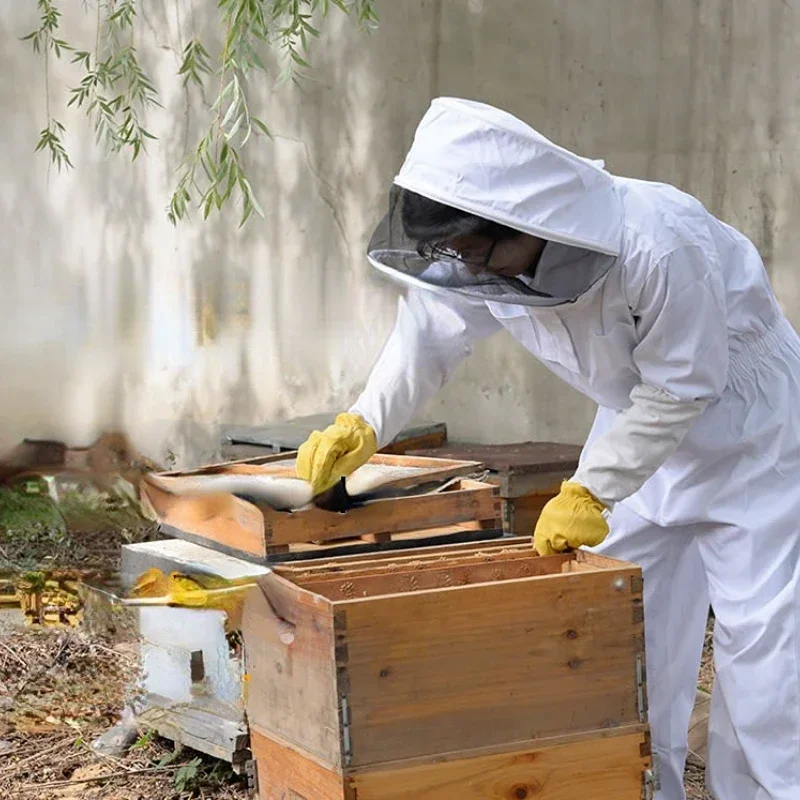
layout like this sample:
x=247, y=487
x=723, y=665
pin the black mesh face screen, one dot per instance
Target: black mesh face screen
x=425, y=265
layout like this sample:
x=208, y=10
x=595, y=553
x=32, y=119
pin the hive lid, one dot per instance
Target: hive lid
x=528, y=457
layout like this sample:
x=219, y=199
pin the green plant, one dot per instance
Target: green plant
x=34, y=582
x=45, y=41
x=28, y=513
x=170, y=756
x=144, y=740
x=116, y=93
x=187, y=774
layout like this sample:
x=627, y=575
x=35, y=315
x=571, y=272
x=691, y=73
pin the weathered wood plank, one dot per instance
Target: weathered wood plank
x=292, y=690
x=518, y=469
x=289, y=434
x=521, y=457
x=205, y=729
x=403, y=445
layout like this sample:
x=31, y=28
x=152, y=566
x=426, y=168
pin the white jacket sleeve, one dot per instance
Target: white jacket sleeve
x=682, y=358
x=431, y=337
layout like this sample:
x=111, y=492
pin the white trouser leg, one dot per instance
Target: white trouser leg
x=676, y=610
x=754, y=583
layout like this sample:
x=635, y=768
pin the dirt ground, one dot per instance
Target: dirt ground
x=84, y=530
x=695, y=767
x=61, y=688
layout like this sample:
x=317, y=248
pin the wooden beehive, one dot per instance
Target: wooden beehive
x=258, y=531
x=474, y=671
x=528, y=475
x=242, y=441
x=598, y=766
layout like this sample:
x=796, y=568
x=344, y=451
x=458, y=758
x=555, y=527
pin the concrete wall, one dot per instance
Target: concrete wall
x=101, y=310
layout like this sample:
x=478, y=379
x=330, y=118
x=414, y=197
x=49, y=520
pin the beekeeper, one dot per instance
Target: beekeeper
x=639, y=298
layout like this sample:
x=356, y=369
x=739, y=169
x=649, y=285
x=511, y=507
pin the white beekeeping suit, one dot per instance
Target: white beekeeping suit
x=664, y=316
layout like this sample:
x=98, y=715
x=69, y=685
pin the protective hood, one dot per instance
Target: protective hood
x=484, y=161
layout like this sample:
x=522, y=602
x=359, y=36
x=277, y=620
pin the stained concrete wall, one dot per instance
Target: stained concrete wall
x=109, y=316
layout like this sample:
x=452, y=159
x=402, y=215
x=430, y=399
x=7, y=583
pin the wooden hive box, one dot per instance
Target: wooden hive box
x=474, y=671
x=528, y=475
x=258, y=531
x=242, y=441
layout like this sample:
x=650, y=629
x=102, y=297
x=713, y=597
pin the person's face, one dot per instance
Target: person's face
x=508, y=257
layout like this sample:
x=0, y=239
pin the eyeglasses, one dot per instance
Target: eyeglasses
x=433, y=251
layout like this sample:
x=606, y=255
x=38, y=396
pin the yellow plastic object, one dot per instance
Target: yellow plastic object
x=330, y=455
x=573, y=518
x=154, y=588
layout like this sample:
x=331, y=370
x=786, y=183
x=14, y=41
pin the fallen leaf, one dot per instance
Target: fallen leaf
x=83, y=790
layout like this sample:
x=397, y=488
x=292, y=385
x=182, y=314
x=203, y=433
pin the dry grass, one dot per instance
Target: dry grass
x=695, y=781
x=59, y=689
x=694, y=777
x=706, y=680
x=85, y=530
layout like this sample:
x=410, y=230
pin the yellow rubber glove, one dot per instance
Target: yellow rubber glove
x=336, y=452
x=574, y=517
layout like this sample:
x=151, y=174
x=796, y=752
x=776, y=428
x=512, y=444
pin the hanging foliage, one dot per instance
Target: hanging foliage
x=115, y=92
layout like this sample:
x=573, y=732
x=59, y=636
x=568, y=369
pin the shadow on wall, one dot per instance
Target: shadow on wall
x=298, y=320
x=83, y=261
x=696, y=93
x=57, y=320
x=114, y=315
x=133, y=323
x=339, y=141
x=294, y=319
x=316, y=320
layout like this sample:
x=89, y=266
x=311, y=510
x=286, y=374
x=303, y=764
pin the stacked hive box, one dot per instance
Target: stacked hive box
x=469, y=672
x=248, y=528
x=527, y=474
x=242, y=441
x=193, y=683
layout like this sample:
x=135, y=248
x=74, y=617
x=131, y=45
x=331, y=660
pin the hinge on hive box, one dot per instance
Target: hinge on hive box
x=251, y=771
x=652, y=780
x=641, y=688
x=346, y=743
